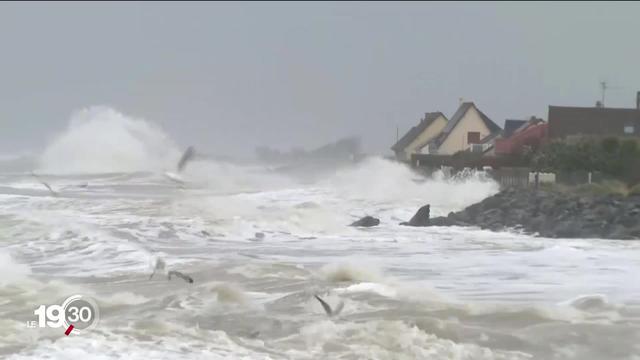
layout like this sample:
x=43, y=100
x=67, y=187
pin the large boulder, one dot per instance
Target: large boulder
x=567, y=229
x=445, y=221
x=367, y=221
x=421, y=218
x=535, y=223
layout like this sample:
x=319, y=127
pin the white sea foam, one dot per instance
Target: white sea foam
x=429, y=293
x=11, y=270
x=380, y=289
x=392, y=340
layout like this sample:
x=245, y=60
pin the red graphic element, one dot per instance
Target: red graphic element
x=69, y=330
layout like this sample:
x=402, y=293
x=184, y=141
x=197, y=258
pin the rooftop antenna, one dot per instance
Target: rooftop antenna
x=603, y=88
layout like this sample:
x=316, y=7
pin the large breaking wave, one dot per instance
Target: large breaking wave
x=103, y=140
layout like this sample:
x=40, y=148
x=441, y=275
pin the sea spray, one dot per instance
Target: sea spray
x=387, y=190
x=350, y=272
x=103, y=140
x=384, y=181
x=224, y=177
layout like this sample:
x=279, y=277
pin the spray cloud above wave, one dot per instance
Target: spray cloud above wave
x=102, y=140
x=382, y=180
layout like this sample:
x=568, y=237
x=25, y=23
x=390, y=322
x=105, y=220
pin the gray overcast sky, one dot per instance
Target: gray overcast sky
x=228, y=77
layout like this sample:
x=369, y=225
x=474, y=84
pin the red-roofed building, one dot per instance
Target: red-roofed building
x=532, y=133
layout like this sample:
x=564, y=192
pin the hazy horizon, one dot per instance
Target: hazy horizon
x=230, y=77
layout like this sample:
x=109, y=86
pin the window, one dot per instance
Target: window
x=629, y=129
x=473, y=137
x=477, y=148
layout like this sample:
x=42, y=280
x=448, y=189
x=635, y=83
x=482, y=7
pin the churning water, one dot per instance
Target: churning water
x=409, y=293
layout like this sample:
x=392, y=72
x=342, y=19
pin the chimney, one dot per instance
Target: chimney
x=638, y=100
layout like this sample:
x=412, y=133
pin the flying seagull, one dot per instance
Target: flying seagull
x=186, y=157
x=174, y=177
x=53, y=192
x=182, y=276
x=159, y=266
x=327, y=308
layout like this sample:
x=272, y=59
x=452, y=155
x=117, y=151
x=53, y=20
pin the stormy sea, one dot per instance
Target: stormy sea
x=259, y=241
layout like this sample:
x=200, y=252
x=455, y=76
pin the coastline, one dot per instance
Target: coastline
x=553, y=213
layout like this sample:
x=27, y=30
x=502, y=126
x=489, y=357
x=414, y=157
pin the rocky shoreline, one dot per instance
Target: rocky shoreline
x=552, y=213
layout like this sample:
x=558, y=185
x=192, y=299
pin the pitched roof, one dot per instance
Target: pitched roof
x=489, y=138
x=415, y=131
x=459, y=115
x=565, y=120
x=510, y=126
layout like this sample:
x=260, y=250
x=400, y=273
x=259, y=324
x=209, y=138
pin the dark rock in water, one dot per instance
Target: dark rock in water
x=536, y=224
x=440, y=221
x=421, y=218
x=367, y=221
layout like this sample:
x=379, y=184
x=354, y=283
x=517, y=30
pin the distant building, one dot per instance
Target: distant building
x=418, y=136
x=469, y=126
x=565, y=121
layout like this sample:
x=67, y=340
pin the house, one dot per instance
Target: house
x=510, y=126
x=565, y=121
x=416, y=138
x=467, y=127
x=531, y=132
x=486, y=146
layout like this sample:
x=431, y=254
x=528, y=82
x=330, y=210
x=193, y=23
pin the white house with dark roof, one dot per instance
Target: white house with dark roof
x=467, y=127
x=418, y=136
